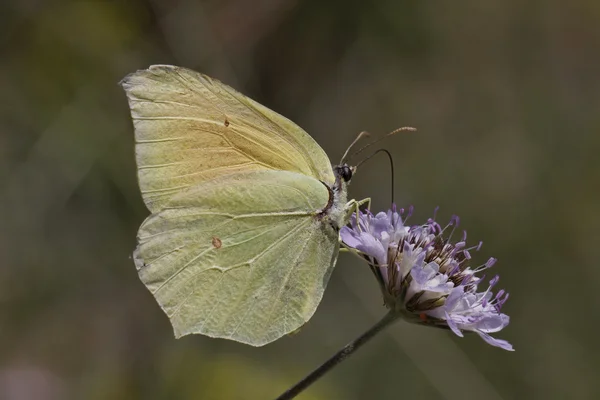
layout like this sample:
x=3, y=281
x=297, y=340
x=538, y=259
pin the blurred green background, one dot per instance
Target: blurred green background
x=506, y=97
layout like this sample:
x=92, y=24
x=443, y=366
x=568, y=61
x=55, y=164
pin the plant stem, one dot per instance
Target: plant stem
x=340, y=356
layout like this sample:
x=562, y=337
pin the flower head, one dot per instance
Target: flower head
x=426, y=277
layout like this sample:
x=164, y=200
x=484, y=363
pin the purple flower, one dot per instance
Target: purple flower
x=426, y=278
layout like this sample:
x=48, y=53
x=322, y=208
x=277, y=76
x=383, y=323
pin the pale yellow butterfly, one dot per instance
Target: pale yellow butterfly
x=245, y=205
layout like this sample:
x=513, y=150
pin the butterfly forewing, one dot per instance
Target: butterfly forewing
x=190, y=128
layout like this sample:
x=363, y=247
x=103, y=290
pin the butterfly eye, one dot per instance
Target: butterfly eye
x=345, y=172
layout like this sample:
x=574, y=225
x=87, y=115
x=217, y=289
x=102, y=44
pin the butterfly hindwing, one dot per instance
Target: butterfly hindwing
x=245, y=256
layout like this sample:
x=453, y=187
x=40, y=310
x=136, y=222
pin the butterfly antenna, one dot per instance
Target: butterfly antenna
x=360, y=136
x=403, y=129
x=391, y=166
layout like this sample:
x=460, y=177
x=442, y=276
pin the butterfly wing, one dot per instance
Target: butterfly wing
x=244, y=256
x=190, y=128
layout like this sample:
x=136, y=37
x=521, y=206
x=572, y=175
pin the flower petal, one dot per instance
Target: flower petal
x=503, y=344
x=492, y=322
x=349, y=237
x=452, y=325
x=380, y=223
x=371, y=246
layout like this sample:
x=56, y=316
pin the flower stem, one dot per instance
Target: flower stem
x=340, y=356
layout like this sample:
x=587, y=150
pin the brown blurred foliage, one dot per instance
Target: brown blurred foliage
x=506, y=96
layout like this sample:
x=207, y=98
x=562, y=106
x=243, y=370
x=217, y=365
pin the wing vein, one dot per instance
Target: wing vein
x=287, y=277
x=251, y=308
x=142, y=100
x=231, y=268
x=164, y=189
x=251, y=109
x=142, y=141
x=207, y=249
x=169, y=279
x=256, y=111
x=230, y=166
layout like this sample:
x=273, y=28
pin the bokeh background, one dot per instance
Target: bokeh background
x=506, y=97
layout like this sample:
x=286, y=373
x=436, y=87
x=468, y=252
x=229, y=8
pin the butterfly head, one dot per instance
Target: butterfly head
x=344, y=172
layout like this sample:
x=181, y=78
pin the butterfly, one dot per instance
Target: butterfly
x=245, y=208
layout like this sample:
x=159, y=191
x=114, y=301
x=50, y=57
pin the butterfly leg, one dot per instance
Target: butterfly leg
x=353, y=206
x=366, y=201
